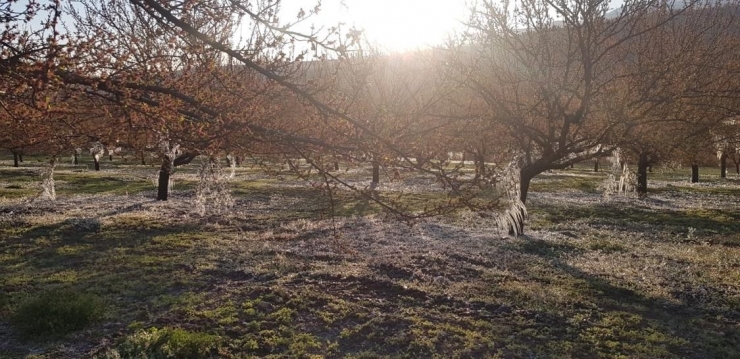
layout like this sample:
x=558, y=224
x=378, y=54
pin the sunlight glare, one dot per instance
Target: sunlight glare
x=395, y=25
x=398, y=25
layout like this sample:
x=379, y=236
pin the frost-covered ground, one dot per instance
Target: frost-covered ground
x=275, y=276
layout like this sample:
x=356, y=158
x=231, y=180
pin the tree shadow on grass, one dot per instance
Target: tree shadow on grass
x=628, y=323
x=84, y=245
x=359, y=207
x=636, y=219
x=128, y=265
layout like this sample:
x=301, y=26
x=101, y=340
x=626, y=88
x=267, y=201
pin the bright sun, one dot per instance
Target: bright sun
x=396, y=25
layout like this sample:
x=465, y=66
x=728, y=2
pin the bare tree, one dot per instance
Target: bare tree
x=568, y=80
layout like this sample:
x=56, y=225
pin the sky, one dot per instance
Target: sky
x=393, y=25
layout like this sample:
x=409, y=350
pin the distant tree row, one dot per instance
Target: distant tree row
x=531, y=86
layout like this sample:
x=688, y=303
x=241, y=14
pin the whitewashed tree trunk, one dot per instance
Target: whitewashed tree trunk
x=48, y=192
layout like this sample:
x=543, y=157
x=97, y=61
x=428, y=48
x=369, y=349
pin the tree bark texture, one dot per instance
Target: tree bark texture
x=168, y=166
x=694, y=173
x=642, y=166
x=526, y=175
x=163, y=185
x=480, y=164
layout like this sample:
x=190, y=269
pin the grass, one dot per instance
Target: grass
x=573, y=180
x=56, y=313
x=165, y=343
x=707, y=221
x=23, y=182
x=623, y=278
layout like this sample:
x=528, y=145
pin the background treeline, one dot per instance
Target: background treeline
x=530, y=86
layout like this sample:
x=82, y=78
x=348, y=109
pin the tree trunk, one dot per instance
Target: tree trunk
x=238, y=161
x=694, y=173
x=75, y=161
x=376, y=172
x=596, y=165
x=525, y=178
x=572, y=165
x=110, y=158
x=737, y=167
x=143, y=159
x=480, y=164
x=47, y=180
x=15, y=159
x=336, y=166
x=163, y=185
x=97, y=163
x=20, y=157
x=421, y=161
x=642, y=165
x=723, y=165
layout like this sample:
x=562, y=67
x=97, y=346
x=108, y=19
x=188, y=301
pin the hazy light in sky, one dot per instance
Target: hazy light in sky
x=394, y=25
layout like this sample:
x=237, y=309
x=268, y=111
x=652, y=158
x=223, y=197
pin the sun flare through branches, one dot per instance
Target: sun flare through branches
x=394, y=25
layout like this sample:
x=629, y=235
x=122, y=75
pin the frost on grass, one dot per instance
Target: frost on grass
x=375, y=260
x=212, y=194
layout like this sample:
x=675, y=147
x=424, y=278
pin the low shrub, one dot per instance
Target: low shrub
x=56, y=313
x=166, y=343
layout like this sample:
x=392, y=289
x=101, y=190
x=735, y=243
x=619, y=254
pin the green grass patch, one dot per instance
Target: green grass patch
x=91, y=183
x=56, y=313
x=13, y=193
x=730, y=188
x=705, y=221
x=166, y=343
x=563, y=182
